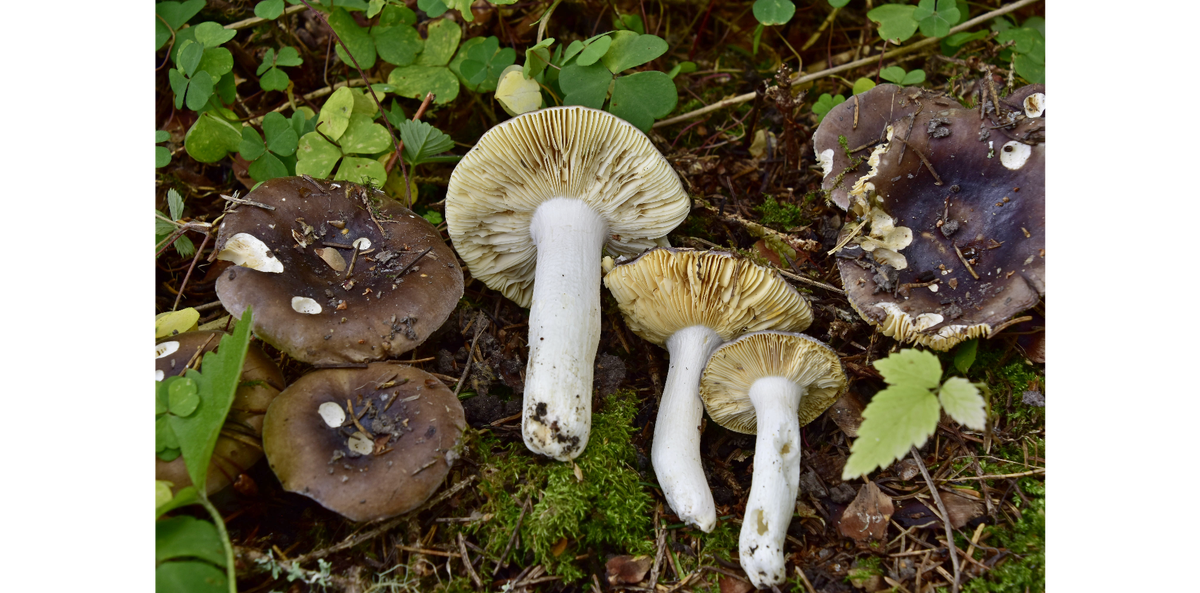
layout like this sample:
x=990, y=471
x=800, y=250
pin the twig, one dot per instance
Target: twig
x=427, y=551
x=813, y=39
x=850, y=65
x=1006, y=324
x=512, y=539
x=413, y=262
x=237, y=200
x=800, y=573
x=936, y=180
x=660, y=544
x=809, y=281
x=482, y=323
x=1033, y=472
x=466, y=559
x=188, y=276
x=963, y=259
x=945, y=518
x=250, y=22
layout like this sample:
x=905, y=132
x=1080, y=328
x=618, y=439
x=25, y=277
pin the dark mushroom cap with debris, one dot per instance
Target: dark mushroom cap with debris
x=261, y=381
x=337, y=272
x=951, y=236
x=366, y=443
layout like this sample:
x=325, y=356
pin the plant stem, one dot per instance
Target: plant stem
x=230, y=574
x=916, y=455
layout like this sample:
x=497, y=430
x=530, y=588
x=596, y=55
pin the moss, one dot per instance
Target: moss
x=608, y=510
x=780, y=216
x=1025, y=570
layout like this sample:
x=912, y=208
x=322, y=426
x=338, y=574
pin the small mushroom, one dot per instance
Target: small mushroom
x=399, y=434
x=235, y=450
x=373, y=286
x=947, y=241
x=770, y=383
x=529, y=209
x=691, y=302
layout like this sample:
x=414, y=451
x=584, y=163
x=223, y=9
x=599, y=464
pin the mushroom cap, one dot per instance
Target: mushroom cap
x=415, y=420
x=990, y=205
x=735, y=366
x=261, y=381
x=573, y=152
x=309, y=309
x=666, y=289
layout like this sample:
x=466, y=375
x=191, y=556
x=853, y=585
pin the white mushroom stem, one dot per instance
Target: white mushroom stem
x=775, y=481
x=676, y=450
x=564, y=327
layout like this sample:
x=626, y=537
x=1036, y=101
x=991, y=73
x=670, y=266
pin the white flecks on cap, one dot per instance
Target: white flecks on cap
x=165, y=348
x=159, y=375
x=305, y=305
x=1014, y=154
x=361, y=443
x=825, y=157
x=362, y=243
x=332, y=414
x=248, y=251
x=1035, y=105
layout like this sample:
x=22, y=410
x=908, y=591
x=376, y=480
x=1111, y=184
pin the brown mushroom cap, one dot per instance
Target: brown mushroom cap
x=985, y=203
x=666, y=289
x=394, y=296
x=261, y=382
x=412, y=424
x=735, y=366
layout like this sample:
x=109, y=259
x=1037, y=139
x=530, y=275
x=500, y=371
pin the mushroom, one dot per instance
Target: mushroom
x=366, y=443
x=236, y=449
x=771, y=383
x=948, y=239
x=691, y=302
x=529, y=209
x=336, y=272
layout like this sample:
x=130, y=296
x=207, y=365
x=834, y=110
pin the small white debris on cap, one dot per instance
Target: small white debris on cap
x=159, y=375
x=361, y=443
x=165, y=348
x=1014, y=154
x=362, y=243
x=305, y=305
x=332, y=414
x=1035, y=105
x=825, y=157
x=248, y=251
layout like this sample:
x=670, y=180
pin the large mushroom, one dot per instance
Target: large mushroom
x=366, y=443
x=239, y=445
x=336, y=272
x=691, y=302
x=770, y=383
x=947, y=241
x=529, y=209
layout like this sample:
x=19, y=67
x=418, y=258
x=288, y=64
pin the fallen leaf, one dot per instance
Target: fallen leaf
x=961, y=506
x=729, y=584
x=906, y=469
x=765, y=251
x=867, y=517
x=559, y=547
x=846, y=413
x=627, y=570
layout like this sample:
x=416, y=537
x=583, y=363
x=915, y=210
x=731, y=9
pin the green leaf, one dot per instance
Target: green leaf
x=432, y=8
x=918, y=368
x=288, y=56
x=537, y=58
x=682, y=68
x=630, y=50
x=200, y=90
x=316, y=156
x=863, y=85
x=161, y=136
x=162, y=493
x=175, y=14
x=892, y=74
x=187, y=537
x=825, y=103
x=774, y=12
x=577, y=46
x=414, y=81
x=335, y=113
x=643, y=97
x=252, y=145
x=175, y=204
x=422, y=140
x=395, y=15
x=210, y=34
x=364, y=136
x=361, y=171
x=1036, y=23
x=913, y=77
x=179, y=83
x=964, y=355
x=227, y=92
x=184, y=497
x=217, y=382
x=440, y=42
x=630, y=22
x=162, y=157
x=268, y=9
x=898, y=418
x=935, y=17
x=274, y=80
x=361, y=44
x=398, y=45
x=211, y=138
x=190, y=54
x=185, y=247
x=190, y=577
x=962, y=402
x=585, y=85
x=267, y=166
x=164, y=435
x=594, y=51
x=962, y=38
x=182, y=397
x=838, y=3
x=896, y=22
x=433, y=216
x=1030, y=69
x=279, y=135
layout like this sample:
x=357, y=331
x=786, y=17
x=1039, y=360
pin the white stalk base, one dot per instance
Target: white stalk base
x=564, y=327
x=775, y=482
x=676, y=450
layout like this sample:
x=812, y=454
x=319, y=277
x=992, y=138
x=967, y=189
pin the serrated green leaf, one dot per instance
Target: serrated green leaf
x=274, y=80
x=364, y=136
x=422, y=141
x=963, y=403
x=162, y=228
x=414, y=81
x=174, y=204
x=643, y=97
x=935, y=17
x=916, y=368
x=594, y=51
x=398, y=45
x=361, y=171
x=190, y=54
x=190, y=577
x=210, y=34
x=361, y=44
x=630, y=50
x=774, y=12
x=896, y=22
x=199, y=91
x=441, y=41
x=335, y=113
x=267, y=166
x=316, y=156
x=211, y=138
x=268, y=9
x=280, y=138
x=184, y=246
x=187, y=537
x=897, y=419
x=585, y=85
x=252, y=145
x=964, y=355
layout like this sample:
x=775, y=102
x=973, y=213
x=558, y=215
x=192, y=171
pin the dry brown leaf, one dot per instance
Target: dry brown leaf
x=729, y=584
x=846, y=413
x=961, y=506
x=867, y=517
x=627, y=570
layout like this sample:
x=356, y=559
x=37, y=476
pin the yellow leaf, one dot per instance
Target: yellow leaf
x=175, y=322
x=516, y=93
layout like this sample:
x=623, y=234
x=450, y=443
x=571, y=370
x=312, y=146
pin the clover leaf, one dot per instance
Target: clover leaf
x=935, y=17
x=897, y=75
x=774, y=12
x=271, y=78
x=896, y=22
x=825, y=103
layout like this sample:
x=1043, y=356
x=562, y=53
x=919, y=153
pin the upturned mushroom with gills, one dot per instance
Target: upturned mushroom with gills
x=529, y=209
x=691, y=302
x=770, y=383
